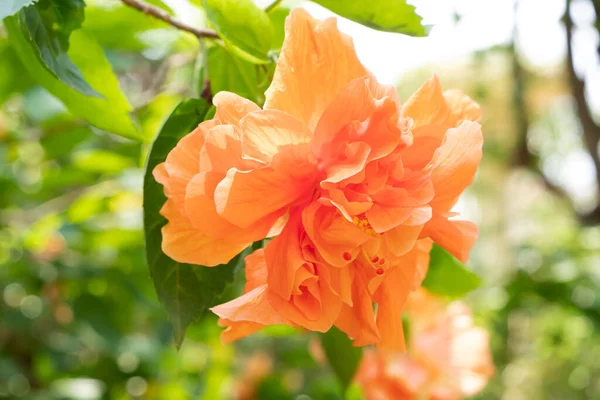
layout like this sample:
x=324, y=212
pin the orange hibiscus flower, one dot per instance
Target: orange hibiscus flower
x=353, y=186
x=448, y=357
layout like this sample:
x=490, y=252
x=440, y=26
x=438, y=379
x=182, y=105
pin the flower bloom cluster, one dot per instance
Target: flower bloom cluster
x=353, y=186
x=448, y=357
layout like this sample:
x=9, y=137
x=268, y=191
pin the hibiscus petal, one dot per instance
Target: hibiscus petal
x=231, y=108
x=402, y=239
x=184, y=243
x=247, y=314
x=364, y=111
x=284, y=257
x=427, y=105
x=391, y=297
x=358, y=321
x=244, y=198
x=458, y=237
x=182, y=162
x=269, y=132
x=201, y=210
x=336, y=239
x=256, y=270
x=455, y=163
x=462, y=107
x=237, y=330
x=315, y=63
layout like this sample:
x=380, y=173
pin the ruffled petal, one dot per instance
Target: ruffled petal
x=458, y=237
x=271, y=132
x=184, y=243
x=364, y=111
x=427, y=106
x=247, y=314
x=231, y=108
x=358, y=321
x=315, y=63
x=183, y=163
x=455, y=163
x=336, y=239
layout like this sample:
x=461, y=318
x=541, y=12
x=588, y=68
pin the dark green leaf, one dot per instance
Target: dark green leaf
x=243, y=26
x=10, y=7
x=447, y=276
x=384, y=15
x=185, y=290
x=110, y=113
x=227, y=71
x=47, y=28
x=61, y=17
x=342, y=356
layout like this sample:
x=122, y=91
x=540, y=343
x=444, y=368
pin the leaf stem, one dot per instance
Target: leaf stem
x=161, y=14
x=272, y=6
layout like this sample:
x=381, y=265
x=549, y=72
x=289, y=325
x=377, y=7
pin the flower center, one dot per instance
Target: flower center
x=363, y=225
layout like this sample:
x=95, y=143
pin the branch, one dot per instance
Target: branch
x=161, y=14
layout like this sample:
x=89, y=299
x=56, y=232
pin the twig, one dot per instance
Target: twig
x=206, y=92
x=161, y=14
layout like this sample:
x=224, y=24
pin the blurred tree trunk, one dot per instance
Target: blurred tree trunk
x=590, y=129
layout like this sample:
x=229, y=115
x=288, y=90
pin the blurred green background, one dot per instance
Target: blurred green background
x=79, y=318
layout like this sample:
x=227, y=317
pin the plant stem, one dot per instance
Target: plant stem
x=161, y=14
x=272, y=6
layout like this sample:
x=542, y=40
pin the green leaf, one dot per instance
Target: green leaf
x=226, y=71
x=11, y=7
x=342, y=356
x=160, y=4
x=12, y=78
x=277, y=17
x=101, y=161
x=384, y=15
x=111, y=113
x=447, y=276
x=120, y=27
x=243, y=26
x=48, y=26
x=185, y=290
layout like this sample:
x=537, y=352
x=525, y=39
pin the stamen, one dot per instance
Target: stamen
x=380, y=271
x=347, y=256
x=381, y=262
x=374, y=259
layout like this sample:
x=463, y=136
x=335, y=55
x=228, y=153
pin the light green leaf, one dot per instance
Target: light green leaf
x=342, y=356
x=277, y=17
x=226, y=71
x=447, y=276
x=48, y=30
x=161, y=4
x=110, y=113
x=185, y=290
x=120, y=27
x=11, y=7
x=243, y=26
x=384, y=15
x=101, y=161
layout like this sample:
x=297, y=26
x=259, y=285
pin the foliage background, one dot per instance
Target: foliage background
x=79, y=318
